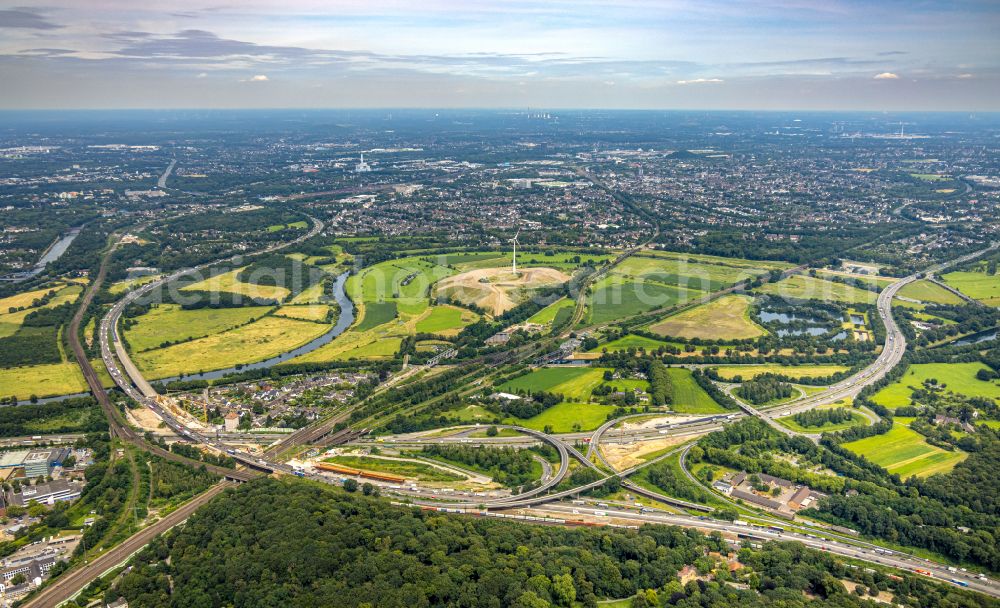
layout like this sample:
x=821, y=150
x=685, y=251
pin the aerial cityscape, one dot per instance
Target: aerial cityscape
x=330, y=304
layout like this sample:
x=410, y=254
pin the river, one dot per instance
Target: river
x=53, y=253
x=344, y=320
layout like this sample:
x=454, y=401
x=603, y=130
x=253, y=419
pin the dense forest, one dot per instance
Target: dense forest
x=297, y=544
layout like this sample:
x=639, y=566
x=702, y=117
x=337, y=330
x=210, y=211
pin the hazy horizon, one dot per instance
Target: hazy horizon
x=795, y=55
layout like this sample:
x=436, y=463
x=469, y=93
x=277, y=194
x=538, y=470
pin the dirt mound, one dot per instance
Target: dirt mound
x=497, y=289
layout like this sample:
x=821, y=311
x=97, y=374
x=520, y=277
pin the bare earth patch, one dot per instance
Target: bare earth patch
x=497, y=289
x=626, y=456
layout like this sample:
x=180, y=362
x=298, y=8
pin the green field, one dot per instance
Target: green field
x=630, y=341
x=564, y=260
x=229, y=282
x=548, y=314
x=41, y=380
x=810, y=288
x=927, y=291
x=564, y=416
x=571, y=382
x=702, y=273
x=978, y=285
x=689, y=398
x=728, y=372
x=405, y=281
x=10, y=322
x=279, y=227
x=727, y=317
x=957, y=377
x=617, y=296
x=171, y=323
x=306, y=312
x=377, y=313
x=445, y=320
x=904, y=452
x=257, y=341
x=410, y=470
x=857, y=419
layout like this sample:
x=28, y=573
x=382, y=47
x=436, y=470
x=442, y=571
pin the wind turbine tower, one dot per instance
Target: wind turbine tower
x=514, y=241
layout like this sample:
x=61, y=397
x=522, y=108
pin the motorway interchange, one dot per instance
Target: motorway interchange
x=128, y=378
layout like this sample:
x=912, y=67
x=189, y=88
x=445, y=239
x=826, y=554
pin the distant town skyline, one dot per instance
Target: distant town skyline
x=674, y=54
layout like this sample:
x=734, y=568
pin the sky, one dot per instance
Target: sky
x=543, y=54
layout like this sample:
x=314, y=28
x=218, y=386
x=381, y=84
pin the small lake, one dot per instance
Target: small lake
x=983, y=336
x=782, y=317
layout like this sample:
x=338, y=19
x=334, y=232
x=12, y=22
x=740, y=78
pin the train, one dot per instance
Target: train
x=336, y=468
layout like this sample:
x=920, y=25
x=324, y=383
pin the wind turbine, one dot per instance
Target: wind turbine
x=514, y=240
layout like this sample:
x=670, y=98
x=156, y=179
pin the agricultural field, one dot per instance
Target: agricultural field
x=257, y=341
x=407, y=282
x=445, y=320
x=700, y=273
x=497, y=290
x=927, y=291
x=377, y=313
x=804, y=287
x=688, y=397
x=878, y=281
x=957, y=377
x=977, y=285
x=310, y=295
x=306, y=312
x=10, y=322
x=229, y=282
x=617, y=296
x=728, y=372
x=42, y=380
x=571, y=382
x=548, y=314
x=727, y=317
x=477, y=260
x=171, y=323
x=366, y=348
x=903, y=451
x=630, y=341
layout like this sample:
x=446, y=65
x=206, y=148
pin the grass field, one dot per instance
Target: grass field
x=957, y=377
x=170, y=323
x=926, y=291
x=857, y=420
x=41, y=380
x=564, y=416
x=728, y=372
x=811, y=288
x=406, y=281
x=383, y=348
x=704, y=273
x=904, y=452
x=228, y=282
x=446, y=320
x=548, y=314
x=310, y=295
x=122, y=286
x=279, y=227
x=571, y=382
x=630, y=341
x=377, y=313
x=617, y=296
x=727, y=317
x=10, y=322
x=306, y=312
x=978, y=285
x=566, y=260
x=689, y=398
x=259, y=340
x=410, y=470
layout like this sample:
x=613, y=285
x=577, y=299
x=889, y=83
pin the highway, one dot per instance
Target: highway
x=69, y=583
x=162, y=182
x=762, y=533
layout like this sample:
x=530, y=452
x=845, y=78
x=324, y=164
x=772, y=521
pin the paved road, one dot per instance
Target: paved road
x=68, y=584
x=162, y=182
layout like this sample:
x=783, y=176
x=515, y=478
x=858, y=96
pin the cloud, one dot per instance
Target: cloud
x=25, y=18
x=965, y=76
x=701, y=81
x=258, y=78
x=202, y=75
x=886, y=76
